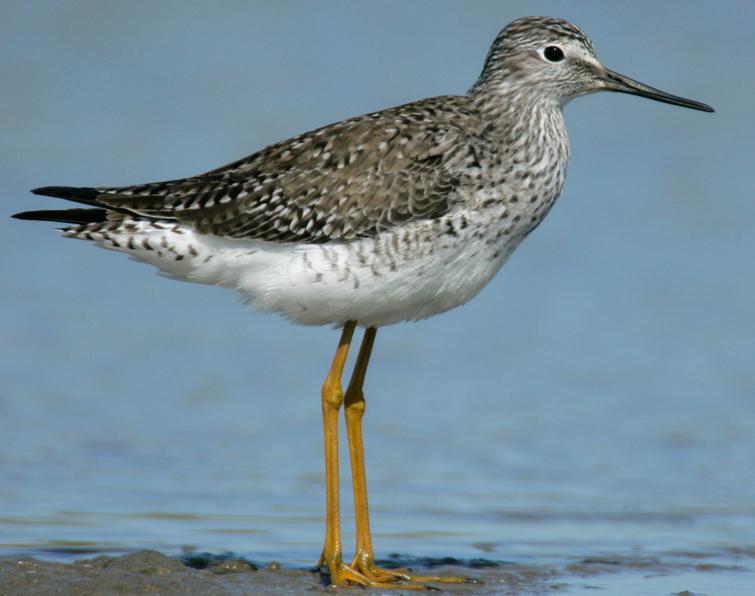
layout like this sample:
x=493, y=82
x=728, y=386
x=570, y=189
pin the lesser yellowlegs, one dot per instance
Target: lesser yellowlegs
x=392, y=216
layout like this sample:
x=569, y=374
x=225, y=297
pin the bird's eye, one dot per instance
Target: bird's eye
x=553, y=54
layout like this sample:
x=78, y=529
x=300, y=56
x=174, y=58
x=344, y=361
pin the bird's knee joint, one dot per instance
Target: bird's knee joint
x=332, y=395
x=355, y=403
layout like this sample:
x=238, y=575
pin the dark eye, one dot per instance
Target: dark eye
x=553, y=53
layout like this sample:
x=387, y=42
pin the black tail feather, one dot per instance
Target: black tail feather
x=79, y=194
x=72, y=216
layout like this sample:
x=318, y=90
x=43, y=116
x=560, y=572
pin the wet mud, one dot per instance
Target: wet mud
x=155, y=573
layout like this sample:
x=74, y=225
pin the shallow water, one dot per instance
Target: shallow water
x=595, y=401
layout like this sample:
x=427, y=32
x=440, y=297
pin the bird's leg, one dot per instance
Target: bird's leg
x=332, y=398
x=364, y=559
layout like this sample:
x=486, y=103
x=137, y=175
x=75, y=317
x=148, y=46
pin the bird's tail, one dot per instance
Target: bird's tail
x=77, y=194
x=69, y=216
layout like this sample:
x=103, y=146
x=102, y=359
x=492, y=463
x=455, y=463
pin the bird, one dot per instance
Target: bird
x=396, y=215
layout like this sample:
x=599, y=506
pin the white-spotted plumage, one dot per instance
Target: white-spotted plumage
x=370, y=280
x=391, y=216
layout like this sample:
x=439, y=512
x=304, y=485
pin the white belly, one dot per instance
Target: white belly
x=374, y=281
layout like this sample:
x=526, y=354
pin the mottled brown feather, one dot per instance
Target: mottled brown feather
x=347, y=180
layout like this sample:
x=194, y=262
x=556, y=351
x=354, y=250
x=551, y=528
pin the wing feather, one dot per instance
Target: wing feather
x=351, y=179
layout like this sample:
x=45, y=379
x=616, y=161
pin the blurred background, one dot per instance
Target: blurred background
x=597, y=397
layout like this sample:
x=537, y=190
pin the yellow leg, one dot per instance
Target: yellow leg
x=354, y=411
x=332, y=398
x=364, y=559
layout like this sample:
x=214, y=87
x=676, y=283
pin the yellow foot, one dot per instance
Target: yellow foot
x=365, y=565
x=343, y=575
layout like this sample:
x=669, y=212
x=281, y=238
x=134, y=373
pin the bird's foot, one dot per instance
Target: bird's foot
x=364, y=563
x=368, y=576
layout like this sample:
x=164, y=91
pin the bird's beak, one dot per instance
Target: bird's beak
x=614, y=81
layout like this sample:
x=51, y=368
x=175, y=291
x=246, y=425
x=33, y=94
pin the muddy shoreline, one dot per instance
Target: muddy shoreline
x=155, y=573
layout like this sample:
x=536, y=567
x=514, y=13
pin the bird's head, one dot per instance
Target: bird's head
x=551, y=60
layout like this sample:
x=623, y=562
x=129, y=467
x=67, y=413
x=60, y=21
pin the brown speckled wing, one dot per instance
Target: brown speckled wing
x=347, y=180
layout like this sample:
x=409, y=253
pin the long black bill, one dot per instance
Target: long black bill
x=621, y=84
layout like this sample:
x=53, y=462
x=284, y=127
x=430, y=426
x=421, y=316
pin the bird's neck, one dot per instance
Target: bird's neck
x=528, y=135
x=518, y=117
x=529, y=148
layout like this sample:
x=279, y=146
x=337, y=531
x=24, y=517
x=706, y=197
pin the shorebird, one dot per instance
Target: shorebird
x=392, y=216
